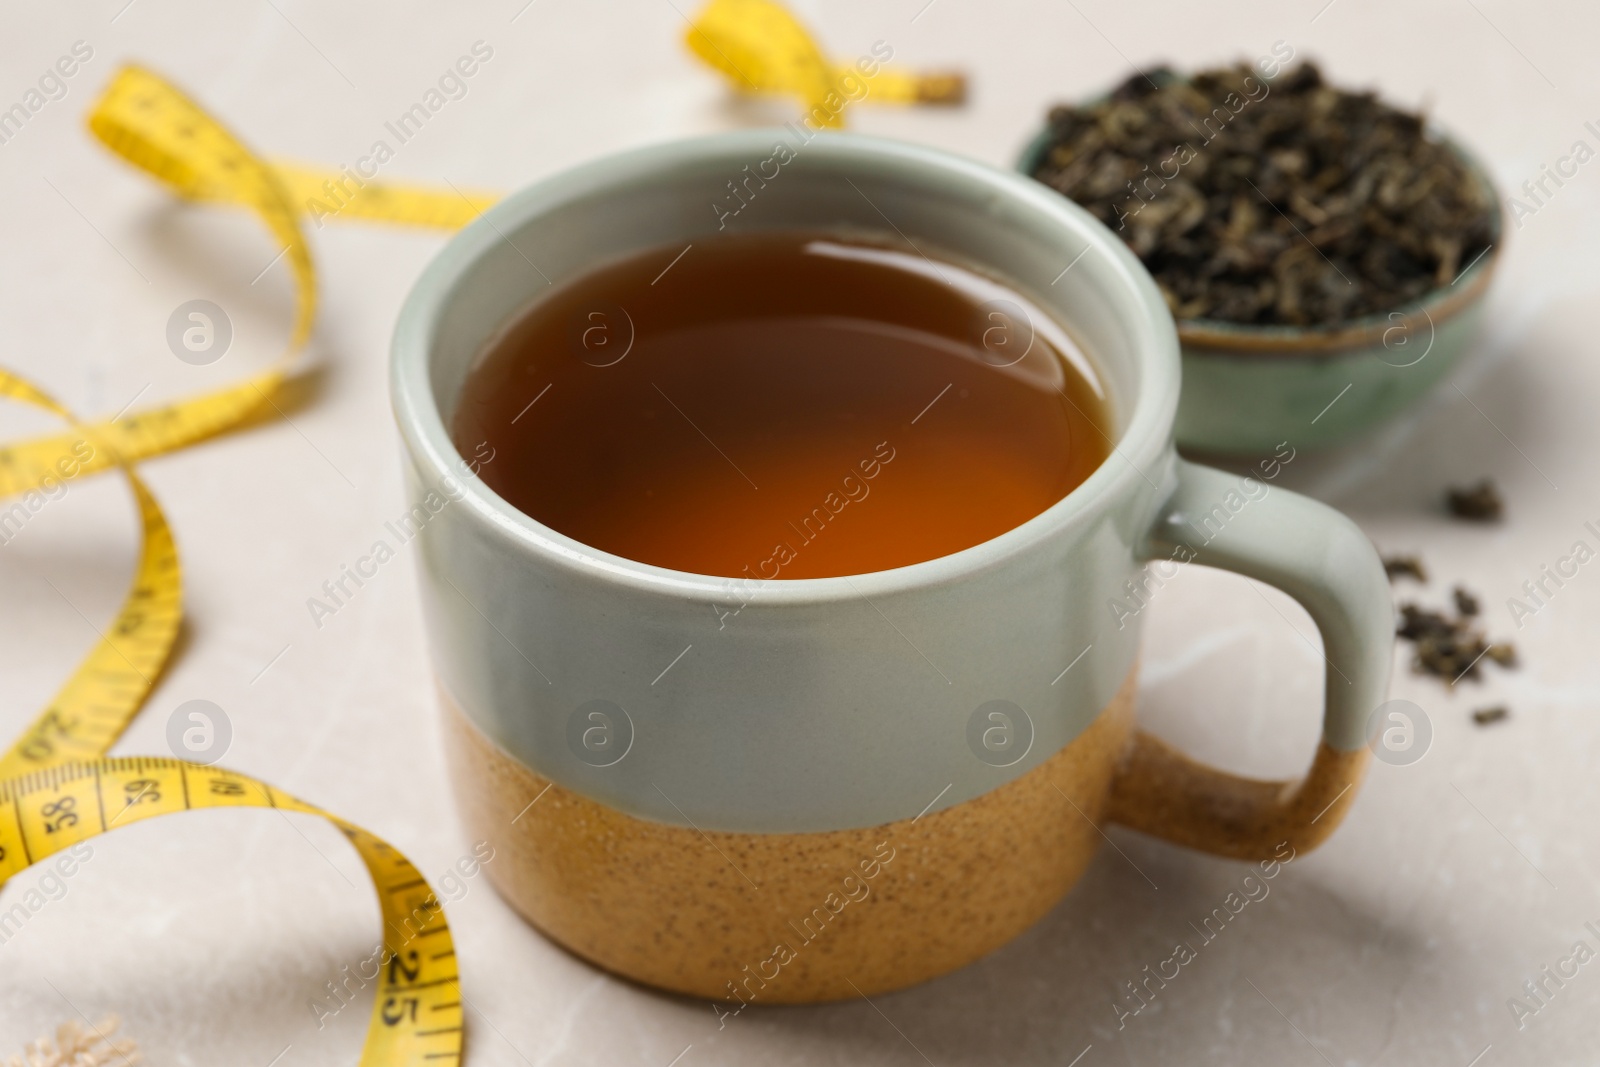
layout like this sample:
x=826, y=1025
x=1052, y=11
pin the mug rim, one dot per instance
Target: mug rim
x=1137, y=450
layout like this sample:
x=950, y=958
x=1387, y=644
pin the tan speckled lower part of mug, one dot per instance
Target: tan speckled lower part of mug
x=788, y=918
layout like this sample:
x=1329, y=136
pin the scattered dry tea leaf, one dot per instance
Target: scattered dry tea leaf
x=1285, y=202
x=1445, y=647
x=1449, y=648
x=1405, y=567
x=1485, y=716
x=1477, y=503
x=1503, y=653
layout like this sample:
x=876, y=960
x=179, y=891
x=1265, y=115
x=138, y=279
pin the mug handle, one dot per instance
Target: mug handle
x=1323, y=560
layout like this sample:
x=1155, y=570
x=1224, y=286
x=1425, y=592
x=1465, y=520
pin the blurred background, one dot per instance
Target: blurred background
x=1454, y=881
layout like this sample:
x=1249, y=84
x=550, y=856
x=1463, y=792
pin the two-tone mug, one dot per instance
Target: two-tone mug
x=849, y=784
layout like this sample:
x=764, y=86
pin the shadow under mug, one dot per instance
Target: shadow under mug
x=843, y=785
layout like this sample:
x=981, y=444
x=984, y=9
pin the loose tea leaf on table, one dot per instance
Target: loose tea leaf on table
x=1284, y=202
x=1405, y=567
x=1450, y=648
x=1476, y=503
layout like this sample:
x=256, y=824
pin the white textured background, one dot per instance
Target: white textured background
x=1453, y=881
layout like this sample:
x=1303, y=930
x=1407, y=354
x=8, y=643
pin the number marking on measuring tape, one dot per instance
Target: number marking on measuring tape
x=55, y=794
x=416, y=1012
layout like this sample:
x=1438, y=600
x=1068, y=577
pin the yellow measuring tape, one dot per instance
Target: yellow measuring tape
x=763, y=49
x=57, y=787
x=416, y=1016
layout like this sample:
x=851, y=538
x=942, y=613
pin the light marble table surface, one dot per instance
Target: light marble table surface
x=1454, y=881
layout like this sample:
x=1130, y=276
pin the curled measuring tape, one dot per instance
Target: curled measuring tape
x=416, y=1013
x=57, y=789
x=764, y=50
x=153, y=125
x=56, y=786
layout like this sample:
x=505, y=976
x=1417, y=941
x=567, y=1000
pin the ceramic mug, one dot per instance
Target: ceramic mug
x=842, y=785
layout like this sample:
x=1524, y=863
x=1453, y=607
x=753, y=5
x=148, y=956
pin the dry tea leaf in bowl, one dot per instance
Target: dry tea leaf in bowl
x=1282, y=202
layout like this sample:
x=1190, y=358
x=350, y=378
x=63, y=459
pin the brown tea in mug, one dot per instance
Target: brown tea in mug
x=783, y=405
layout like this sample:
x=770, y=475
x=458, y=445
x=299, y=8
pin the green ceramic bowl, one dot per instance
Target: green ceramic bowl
x=1247, y=388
